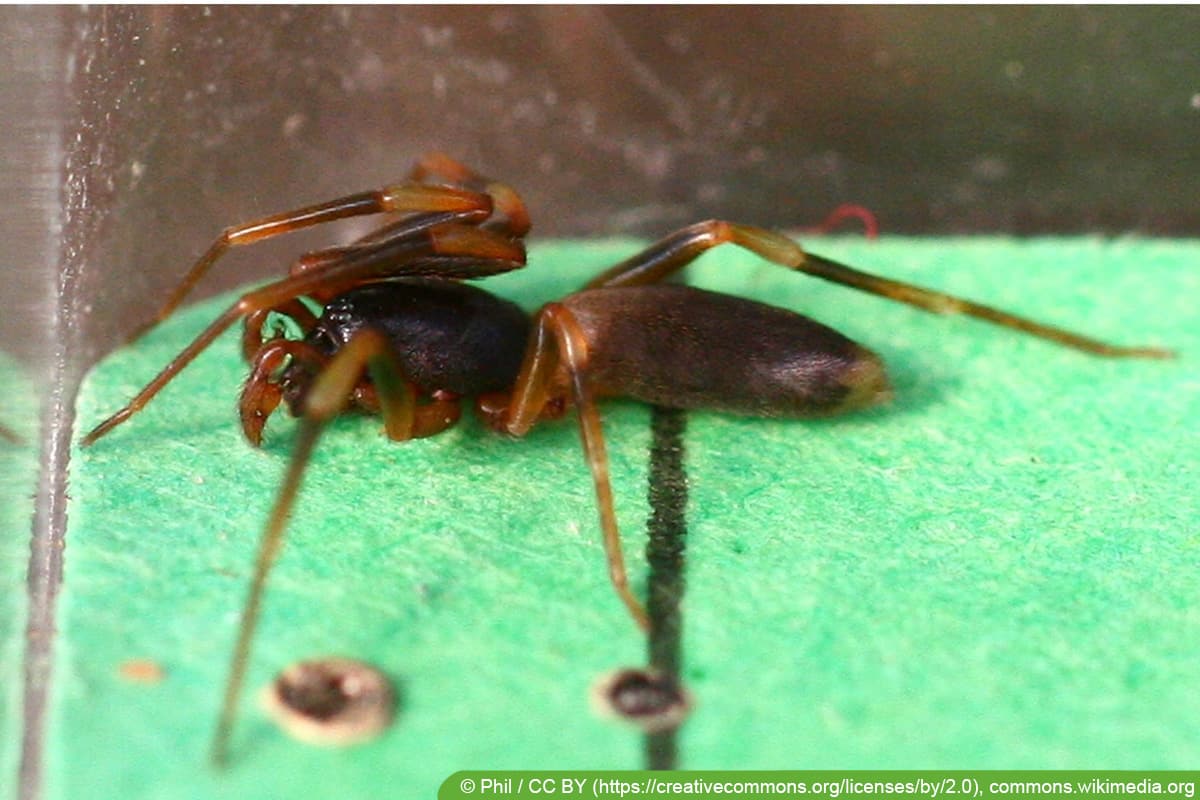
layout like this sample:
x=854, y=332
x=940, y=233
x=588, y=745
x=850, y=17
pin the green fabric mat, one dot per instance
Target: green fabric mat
x=18, y=479
x=996, y=570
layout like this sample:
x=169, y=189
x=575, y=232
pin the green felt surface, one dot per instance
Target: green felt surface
x=18, y=477
x=997, y=570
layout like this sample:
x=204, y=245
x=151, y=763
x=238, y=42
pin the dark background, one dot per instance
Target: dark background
x=160, y=125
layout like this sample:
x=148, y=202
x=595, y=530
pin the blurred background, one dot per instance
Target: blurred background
x=132, y=135
x=138, y=133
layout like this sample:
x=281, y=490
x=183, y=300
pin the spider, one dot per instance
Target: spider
x=401, y=335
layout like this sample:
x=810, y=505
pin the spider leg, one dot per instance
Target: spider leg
x=515, y=221
x=261, y=394
x=252, y=338
x=391, y=241
x=366, y=247
x=558, y=341
x=369, y=350
x=408, y=197
x=677, y=250
x=450, y=251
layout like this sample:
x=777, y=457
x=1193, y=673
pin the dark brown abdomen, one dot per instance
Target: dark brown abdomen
x=682, y=347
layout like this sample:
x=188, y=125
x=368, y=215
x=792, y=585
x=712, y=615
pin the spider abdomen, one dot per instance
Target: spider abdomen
x=683, y=347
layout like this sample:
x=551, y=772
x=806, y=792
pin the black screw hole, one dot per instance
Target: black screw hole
x=648, y=699
x=331, y=701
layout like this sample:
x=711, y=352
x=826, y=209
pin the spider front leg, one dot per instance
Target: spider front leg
x=515, y=221
x=408, y=197
x=252, y=326
x=286, y=370
x=447, y=250
x=559, y=344
x=675, y=251
x=327, y=397
x=273, y=366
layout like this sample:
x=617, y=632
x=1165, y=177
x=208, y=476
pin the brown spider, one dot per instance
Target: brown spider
x=401, y=335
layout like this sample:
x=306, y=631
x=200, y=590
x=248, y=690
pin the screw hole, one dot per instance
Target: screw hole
x=647, y=699
x=331, y=701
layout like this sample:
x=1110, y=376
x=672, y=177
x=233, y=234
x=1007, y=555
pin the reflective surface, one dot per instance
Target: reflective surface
x=31, y=124
x=630, y=120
